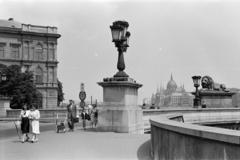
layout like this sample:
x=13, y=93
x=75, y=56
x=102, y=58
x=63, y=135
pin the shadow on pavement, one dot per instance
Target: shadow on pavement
x=144, y=151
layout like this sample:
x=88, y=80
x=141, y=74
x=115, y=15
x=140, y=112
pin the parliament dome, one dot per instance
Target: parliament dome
x=171, y=85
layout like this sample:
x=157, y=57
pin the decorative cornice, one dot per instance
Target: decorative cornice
x=19, y=31
x=28, y=61
x=119, y=83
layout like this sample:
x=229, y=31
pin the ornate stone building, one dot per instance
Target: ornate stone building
x=34, y=48
x=172, y=96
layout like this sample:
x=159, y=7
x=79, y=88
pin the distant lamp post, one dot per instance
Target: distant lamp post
x=196, y=82
x=120, y=36
x=3, y=77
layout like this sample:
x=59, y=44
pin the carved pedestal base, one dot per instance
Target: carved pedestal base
x=120, y=112
x=216, y=99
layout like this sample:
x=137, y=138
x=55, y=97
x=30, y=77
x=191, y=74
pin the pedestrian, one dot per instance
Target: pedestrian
x=34, y=119
x=84, y=116
x=25, y=123
x=95, y=116
x=92, y=117
x=71, y=114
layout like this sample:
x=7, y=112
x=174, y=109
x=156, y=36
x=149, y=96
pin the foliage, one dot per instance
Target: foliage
x=60, y=92
x=20, y=87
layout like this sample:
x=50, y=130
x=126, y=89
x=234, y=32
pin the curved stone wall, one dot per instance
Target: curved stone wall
x=172, y=139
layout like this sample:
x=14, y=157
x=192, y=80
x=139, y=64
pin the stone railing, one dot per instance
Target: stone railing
x=45, y=113
x=189, y=114
x=172, y=139
x=40, y=29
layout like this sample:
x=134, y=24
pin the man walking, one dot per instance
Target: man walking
x=71, y=114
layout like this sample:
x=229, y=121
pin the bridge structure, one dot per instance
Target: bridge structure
x=183, y=134
x=180, y=133
x=203, y=116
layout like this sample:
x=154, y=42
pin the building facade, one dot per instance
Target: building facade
x=172, y=96
x=34, y=48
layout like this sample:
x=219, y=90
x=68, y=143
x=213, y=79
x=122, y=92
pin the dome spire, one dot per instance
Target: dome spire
x=171, y=77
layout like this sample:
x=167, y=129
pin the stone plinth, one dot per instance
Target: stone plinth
x=217, y=99
x=4, y=105
x=119, y=112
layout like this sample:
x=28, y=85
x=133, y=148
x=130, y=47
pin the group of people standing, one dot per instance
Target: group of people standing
x=29, y=123
x=30, y=119
x=87, y=114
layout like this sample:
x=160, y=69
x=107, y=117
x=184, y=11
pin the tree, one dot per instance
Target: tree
x=60, y=92
x=20, y=87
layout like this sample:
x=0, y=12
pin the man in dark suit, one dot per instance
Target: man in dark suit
x=71, y=114
x=84, y=117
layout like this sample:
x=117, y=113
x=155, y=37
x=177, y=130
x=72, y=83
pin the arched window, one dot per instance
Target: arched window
x=39, y=75
x=38, y=52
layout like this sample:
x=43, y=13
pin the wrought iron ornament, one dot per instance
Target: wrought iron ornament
x=82, y=96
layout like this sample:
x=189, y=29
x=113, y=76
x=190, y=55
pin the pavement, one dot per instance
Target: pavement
x=8, y=129
x=77, y=145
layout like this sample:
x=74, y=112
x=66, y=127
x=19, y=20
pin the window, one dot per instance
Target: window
x=14, y=51
x=51, y=51
x=26, y=50
x=25, y=68
x=51, y=75
x=39, y=75
x=39, y=52
x=2, y=50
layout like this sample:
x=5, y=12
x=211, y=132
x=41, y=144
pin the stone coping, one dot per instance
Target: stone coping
x=215, y=93
x=188, y=109
x=45, y=109
x=41, y=119
x=213, y=133
x=120, y=84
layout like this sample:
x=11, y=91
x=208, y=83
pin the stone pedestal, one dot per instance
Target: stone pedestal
x=119, y=112
x=216, y=99
x=4, y=105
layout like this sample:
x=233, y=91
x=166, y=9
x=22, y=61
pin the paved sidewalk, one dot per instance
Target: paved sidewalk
x=8, y=129
x=85, y=145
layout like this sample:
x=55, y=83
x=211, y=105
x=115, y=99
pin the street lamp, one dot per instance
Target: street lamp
x=196, y=82
x=120, y=36
x=3, y=77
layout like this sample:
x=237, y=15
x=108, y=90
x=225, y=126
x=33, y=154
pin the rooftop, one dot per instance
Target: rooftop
x=15, y=25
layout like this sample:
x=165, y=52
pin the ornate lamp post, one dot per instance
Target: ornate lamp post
x=120, y=92
x=120, y=36
x=196, y=82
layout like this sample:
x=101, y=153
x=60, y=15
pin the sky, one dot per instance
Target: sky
x=182, y=38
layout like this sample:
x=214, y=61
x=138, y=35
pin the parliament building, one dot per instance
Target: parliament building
x=34, y=48
x=172, y=96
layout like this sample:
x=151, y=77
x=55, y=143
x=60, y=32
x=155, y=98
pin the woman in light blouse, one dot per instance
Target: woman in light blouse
x=34, y=119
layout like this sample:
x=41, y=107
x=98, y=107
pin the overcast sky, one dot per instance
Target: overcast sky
x=184, y=38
